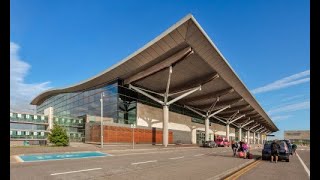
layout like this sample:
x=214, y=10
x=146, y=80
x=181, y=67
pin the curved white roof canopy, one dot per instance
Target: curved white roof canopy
x=195, y=59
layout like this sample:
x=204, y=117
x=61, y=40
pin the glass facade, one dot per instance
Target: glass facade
x=119, y=104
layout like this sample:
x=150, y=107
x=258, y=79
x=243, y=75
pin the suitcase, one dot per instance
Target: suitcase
x=241, y=154
x=250, y=156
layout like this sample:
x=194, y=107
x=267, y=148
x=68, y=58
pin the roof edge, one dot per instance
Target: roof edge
x=166, y=32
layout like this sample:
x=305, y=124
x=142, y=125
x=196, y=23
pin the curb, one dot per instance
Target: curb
x=133, y=150
x=233, y=170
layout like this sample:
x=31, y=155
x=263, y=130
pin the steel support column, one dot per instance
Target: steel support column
x=165, y=125
x=227, y=132
x=206, y=122
x=240, y=134
x=208, y=115
x=165, y=103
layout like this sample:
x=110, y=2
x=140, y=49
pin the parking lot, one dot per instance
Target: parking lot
x=164, y=163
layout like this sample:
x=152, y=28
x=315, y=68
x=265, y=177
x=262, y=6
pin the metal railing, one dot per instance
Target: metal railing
x=28, y=137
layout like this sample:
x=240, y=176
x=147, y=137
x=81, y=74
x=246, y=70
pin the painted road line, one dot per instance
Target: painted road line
x=177, y=157
x=199, y=155
x=143, y=162
x=242, y=171
x=305, y=167
x=54, y=174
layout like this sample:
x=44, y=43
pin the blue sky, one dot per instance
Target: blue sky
x=266, y=42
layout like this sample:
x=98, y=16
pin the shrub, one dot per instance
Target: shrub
x=58, y=136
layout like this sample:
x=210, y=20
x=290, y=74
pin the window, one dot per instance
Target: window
x=19, y=115
x=27, y=116
x=10, y=133
x=11, y=114
x=19, y=133
x=42, y=117
x=27, y=133
x=35, y=133
x=35, y=117
x=42, y=133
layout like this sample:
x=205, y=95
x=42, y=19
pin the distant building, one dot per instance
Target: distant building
x=34, y=128
x=298, y=136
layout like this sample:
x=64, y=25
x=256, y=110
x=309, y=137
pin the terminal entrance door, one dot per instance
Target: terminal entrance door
x=201, y=135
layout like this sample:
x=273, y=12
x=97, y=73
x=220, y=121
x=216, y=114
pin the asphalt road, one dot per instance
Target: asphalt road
x=304, y=154
x=181, y=163
x=281, y=170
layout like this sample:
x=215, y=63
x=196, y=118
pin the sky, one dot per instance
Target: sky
x=59, y=43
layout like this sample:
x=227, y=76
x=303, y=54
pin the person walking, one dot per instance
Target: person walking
x=274, y=151
x=294, y=148
x=234, y=147
x=245, y=149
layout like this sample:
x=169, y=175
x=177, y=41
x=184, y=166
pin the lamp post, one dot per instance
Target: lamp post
x=101, y=101
x=133, y=126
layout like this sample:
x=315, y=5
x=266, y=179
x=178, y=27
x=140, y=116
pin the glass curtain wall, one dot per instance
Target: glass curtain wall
x=119, y=104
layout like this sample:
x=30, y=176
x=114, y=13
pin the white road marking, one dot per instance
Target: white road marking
x=143, y=162
x=54, y=174
x=177, y=157
x=199, y=155
x=305, y=167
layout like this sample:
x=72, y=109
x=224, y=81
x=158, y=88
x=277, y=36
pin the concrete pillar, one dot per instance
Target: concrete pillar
x=165, y=125
x=49, y=112
x=254, y=138
x=206, y=123
x=240, y=134
x=193, y=136
x=227, y=132
x=248, y=137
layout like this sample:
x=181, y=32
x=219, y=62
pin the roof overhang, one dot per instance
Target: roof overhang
x=195, y=60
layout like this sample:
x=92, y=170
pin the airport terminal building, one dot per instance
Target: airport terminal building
x=178, y=88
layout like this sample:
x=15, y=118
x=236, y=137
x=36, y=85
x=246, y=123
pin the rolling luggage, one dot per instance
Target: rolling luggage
x=241, y=154
x=250, y=156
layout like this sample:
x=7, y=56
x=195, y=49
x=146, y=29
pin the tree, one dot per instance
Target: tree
x=58, y=136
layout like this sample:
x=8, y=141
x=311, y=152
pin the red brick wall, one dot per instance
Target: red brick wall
x=114, y=134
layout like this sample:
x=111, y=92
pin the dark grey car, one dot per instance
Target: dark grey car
x=210, y=144
x=284, y=152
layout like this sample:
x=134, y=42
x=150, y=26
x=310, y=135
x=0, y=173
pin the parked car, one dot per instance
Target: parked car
x=284, y=153
x=219, y=142
x=226, y=143
x=210, y=144
x=222, y=142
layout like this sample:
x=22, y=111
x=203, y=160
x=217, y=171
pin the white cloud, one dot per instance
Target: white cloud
x=291, y=107
x=295, y=79
x=21, y=93
x=277, y=118
x=293, y=97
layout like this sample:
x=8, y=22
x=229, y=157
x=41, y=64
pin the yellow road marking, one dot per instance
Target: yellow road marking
x=243, y=170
